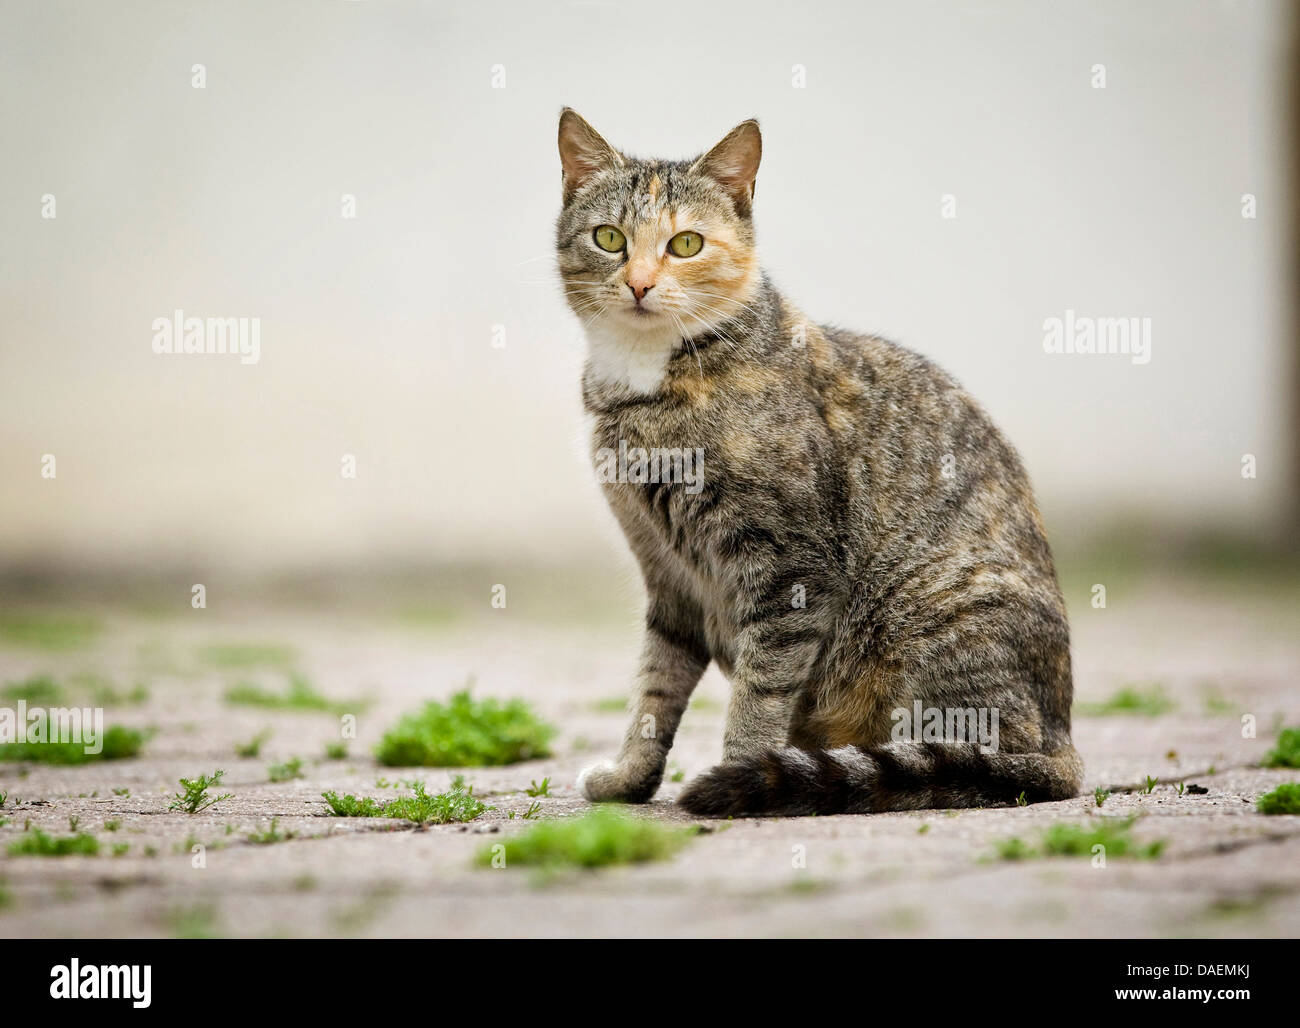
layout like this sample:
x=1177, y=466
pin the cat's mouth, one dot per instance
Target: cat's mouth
x=641, y=314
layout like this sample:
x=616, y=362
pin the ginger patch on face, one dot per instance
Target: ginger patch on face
x=700, y=290
x=724, y=272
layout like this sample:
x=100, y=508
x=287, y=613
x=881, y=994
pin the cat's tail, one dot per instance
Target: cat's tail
x=870, y=779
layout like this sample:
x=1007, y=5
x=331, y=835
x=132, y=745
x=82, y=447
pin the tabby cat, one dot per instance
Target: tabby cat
x=858, y=546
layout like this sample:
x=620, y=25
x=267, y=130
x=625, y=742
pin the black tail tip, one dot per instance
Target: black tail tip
x=723, y=791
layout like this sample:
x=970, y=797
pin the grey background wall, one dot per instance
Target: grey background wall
x=377, y=331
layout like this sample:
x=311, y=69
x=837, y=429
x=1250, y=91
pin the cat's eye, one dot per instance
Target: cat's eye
x=686, y=244
x=609, y=238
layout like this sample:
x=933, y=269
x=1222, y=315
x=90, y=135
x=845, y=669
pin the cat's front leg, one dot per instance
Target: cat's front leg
x=673, y=657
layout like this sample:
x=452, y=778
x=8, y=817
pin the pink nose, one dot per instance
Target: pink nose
x=639, y=288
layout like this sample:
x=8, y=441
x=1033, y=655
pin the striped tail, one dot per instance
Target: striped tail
x=871, y=779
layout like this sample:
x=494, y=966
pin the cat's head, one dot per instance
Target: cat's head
x=651, y=249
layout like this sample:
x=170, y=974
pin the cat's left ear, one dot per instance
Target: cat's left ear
x=733, y=163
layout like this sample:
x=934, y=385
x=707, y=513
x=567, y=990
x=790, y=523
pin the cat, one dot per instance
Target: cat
x=860, y=544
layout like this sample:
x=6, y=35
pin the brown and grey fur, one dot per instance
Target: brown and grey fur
x=835, y=462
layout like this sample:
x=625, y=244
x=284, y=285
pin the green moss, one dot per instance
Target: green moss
x=466, y=733
x=597, y=839
x=35, y=843
x=54, y=633
x=456, y=805
x=1287, y=751
x=1285, y=799
x=1077, y=840
x=1132, y=700
x=119, y=744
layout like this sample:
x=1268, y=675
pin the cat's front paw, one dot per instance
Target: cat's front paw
x=608, y=782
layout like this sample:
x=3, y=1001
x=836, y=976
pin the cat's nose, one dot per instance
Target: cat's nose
x=639, y=288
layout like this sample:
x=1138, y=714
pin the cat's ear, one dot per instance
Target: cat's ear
x=583, y=151
x=733, y=163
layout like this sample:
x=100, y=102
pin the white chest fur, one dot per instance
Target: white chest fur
x=635, y=360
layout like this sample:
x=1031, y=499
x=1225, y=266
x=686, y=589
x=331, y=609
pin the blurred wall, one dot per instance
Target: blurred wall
x=377, y=331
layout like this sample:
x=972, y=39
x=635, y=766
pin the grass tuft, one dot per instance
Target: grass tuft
x=1287, y=751
x=119, y=744
x=35, y=843
x=348, y=805
x=105, y=694
x=539, y=790
x=271, y=835
x=598, y=839
x=194, y=797
x=286, y=772
x=54, y=633
x=246, y=656
x=1131, y=700
x=456, y=805
x=198, y=922
x=38, y=690
x=1285, y=799
x=1077, y=840
x=301, y=695
x=464, y=732
x=253, y=747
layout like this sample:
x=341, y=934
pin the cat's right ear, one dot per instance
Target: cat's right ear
x=583, y=152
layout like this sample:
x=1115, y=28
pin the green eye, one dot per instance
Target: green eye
x=609, y=238
x=686, y=244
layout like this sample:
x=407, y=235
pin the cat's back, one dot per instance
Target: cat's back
x=933, y=476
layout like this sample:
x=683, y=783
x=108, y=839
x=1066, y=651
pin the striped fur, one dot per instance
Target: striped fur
x=869, y=780
x=862, y=538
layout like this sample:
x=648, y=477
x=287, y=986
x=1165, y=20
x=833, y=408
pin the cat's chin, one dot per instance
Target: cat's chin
x=638, y=319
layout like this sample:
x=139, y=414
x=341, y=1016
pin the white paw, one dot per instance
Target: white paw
x=597, y=780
